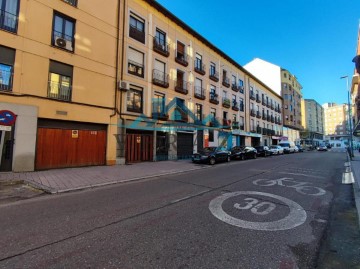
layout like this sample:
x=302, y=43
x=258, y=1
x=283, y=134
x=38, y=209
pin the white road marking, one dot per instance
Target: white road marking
x=296, y=217
x=298, y=174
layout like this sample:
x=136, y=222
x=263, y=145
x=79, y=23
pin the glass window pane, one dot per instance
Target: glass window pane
x=5, y=75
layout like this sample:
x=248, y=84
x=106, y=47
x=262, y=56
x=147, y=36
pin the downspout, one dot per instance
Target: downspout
x=116, y=61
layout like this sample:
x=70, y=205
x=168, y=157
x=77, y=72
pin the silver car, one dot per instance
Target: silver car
x=276, y=150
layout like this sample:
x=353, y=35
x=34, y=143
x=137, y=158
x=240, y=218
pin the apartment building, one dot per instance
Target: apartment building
x=355, y=91
x=180, y=93
x=335, y=120
x=57, y=83
x=286, y=85
x=313, y=120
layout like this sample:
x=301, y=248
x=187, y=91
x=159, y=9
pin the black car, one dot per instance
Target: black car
x=212, y=155
x=243, y=152
x=263, y=151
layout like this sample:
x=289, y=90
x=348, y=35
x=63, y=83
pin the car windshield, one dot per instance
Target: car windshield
x=285, y=145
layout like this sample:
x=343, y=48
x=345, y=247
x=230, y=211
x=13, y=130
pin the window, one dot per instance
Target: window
x=135, y=62
x=181, y=53
x=160, y=37
x=63, y=32
x=160, y=44
x=60, y=81
x=7, y=59
x=198, y=112
x=198, y=62
x=212, y=69
x=241, y=83
x=213, y=113
x=134, y=99
x=159, y=104
x=71, y=2
x=9, y=15
x=137, y=28
x=233, y=80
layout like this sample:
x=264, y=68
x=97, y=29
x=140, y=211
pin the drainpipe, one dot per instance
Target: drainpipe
x=116, y=60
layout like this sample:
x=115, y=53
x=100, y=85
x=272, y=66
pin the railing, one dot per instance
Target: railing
x=264, y=116
x=181, y=86
x=182, y=58
x=226, y=123
x=135, y=69
x=199, y=93
x=258, y=98
x=71, y=2
x=235, y=125
x=252, y=96
x=234, y=87
x=268, y=118
x=214, y=75
x=137, y=34
x=6, y=80
x=160, y=78
x=199, y=67
x=235, y=106
x=241, y=89
x=226, y=102
x=263, y=102
x=252, y=113
x=258, y=129
x=258, y=115
x=58, y=91
x=264, y=131
x=226, y=82
x=8, y=21
x=241, y=107
x=272, y=119
x=214, y=98
x=241, y=127
x=161, y=47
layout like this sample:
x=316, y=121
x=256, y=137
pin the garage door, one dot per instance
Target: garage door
x=59, y=148
x=185, y=145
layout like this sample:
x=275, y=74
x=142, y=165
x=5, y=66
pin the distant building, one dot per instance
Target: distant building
x=335, y=120
x=285, y=84
x=313, y=121
x=355, y=91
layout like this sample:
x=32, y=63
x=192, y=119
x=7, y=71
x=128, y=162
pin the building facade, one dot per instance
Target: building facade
x=313, y=121
x=355, y=91
x=123, y=82
x=335, y=120
x=57, y=82
x=181, y=93
x=285, y=84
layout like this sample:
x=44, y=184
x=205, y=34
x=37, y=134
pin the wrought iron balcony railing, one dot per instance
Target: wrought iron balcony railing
x=160, y=78
x=59, y=91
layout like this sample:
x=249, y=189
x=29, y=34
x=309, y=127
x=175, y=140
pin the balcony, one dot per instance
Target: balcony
x=59, y=91
x=272, y=119
x=264, y=131
x=253, y=130
x=226, y=82
x=137, y=34
x=242, y=127
x=6, y=80
x=214, y=98
x=258, y=99
x=226, y=123
x=268, y=118
x=160, y=116
x=199, y=93
x=241, y=107
x=258, y=129
x=181, y=86
x=268, y=105
x=135, y=69
x=258, y=114
x=226, y=102
x=235, y=106
x=252, y=96
x=241, y=89
x=161, y=47
x=264, y=116
x=271, y=106
x=214, y=76
x=199, y=67
x=269, y=132
x=235, y=125
x=234, y=87
x=182, y=58
x=252, y=113
x=263, y=102
x=160, y=79
x=8, y=21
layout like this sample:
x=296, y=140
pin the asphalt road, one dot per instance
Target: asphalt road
x=264, y=213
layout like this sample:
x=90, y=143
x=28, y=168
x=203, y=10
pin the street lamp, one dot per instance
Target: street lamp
x=350, y=117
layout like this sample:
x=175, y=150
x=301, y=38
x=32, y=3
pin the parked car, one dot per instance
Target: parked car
x=263, y=151
x=276, y=150
x=300, y=148
x=322, y=148
x=212, y=155
x=296, y=149
x=243, y=152
x=288, y=146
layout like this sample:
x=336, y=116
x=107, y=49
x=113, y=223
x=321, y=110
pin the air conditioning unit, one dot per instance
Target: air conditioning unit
x=63, y=43
x=123, y=85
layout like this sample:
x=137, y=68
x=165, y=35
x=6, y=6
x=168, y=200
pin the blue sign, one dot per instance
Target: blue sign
x=7, y=117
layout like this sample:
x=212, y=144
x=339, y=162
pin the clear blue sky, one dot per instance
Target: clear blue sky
x=314, y=39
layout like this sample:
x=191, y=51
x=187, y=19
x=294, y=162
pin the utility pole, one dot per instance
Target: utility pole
x=350, y=117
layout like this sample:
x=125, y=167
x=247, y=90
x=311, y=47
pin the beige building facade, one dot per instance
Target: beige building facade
x=313, y=121
x=335, y=120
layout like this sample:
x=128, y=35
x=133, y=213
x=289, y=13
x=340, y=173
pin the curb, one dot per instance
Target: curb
x=54, y=191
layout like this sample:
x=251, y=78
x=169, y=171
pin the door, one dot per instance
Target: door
x=200, y=140
x=185, y=145
x=6, y=150
x=60, y=148
x=139, y=148
x=162, y=146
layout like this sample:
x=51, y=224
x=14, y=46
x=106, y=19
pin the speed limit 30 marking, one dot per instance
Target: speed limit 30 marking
x=296, y=216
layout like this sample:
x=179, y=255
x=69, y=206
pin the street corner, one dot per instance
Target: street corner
x=17, y=190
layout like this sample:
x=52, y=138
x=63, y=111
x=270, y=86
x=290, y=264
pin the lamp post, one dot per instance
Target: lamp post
x=349, y=112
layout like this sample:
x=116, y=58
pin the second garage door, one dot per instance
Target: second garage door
x=185, y=145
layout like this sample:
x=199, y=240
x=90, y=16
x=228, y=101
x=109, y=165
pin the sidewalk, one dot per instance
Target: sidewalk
x=355, y=166
x=70, y=179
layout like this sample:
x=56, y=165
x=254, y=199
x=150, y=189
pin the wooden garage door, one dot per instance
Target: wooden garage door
x=58, y=148
x=139, y=148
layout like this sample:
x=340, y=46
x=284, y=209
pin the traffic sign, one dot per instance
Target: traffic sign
x=7, y=117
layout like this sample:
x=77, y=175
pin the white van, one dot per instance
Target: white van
x=288, y=146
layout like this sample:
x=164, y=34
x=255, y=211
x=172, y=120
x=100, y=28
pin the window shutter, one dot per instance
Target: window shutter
x=136, y=56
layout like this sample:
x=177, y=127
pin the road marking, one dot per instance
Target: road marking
x=298, y=174
x=296, y=216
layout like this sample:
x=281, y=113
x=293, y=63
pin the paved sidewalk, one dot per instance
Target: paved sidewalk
x=70, y=179
x=355, y=166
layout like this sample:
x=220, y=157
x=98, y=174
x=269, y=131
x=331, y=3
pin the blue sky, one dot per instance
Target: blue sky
x=314, y=39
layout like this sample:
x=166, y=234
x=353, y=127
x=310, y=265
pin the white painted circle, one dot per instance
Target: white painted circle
x=296, y=217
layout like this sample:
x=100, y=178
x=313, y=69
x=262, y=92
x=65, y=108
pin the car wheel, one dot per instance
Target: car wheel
x=212, y=161
x=242, y=157
x=228, y=159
